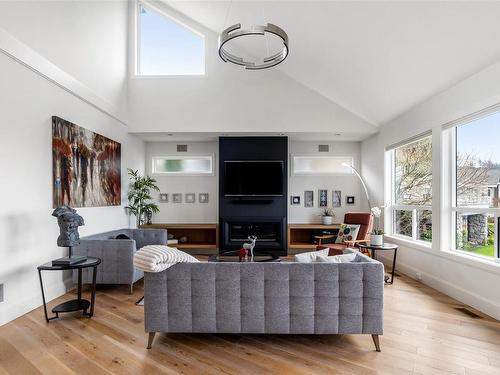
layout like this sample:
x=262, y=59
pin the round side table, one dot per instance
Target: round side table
x=74, y=304
x=384, y=247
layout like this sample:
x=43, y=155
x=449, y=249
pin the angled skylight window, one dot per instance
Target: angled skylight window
x=166, y=47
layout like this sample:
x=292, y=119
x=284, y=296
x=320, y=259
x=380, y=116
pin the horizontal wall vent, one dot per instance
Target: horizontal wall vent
x=324, y=148
x=182, y=148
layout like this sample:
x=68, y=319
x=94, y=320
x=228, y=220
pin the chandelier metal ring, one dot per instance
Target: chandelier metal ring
x=235, y=31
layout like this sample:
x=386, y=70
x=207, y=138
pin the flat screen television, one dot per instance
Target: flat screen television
x=253, y=178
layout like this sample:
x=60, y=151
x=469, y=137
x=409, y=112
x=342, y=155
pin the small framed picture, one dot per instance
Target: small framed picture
x=190, y=197
x=336, y=198
x=308, y=198
x=177, y=198
x=203, y=197
x=323, y=198
x=294, y=200
x=163, y=198
x=349, y=200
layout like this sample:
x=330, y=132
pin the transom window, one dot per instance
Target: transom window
x=322, y=165
x=166, y=47
x=411, y=180
x=182, y=165
x=476, y=182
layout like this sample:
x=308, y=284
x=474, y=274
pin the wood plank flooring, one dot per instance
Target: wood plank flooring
x=424, y=334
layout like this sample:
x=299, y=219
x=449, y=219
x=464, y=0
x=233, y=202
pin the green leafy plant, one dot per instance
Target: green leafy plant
x=327, y=212
x=139, y=196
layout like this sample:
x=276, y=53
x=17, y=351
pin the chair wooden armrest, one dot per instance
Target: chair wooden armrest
x=354, y=242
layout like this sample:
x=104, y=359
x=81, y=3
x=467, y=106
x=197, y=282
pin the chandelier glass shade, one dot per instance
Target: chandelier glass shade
x=235, y=31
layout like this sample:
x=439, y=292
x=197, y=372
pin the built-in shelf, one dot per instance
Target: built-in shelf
x=201, y=238
x=204, y=238
x=301, y=236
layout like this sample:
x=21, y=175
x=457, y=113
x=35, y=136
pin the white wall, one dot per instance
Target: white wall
x=461, y=277
x=230, y=99
x=185, y=212
x=208, y=213
x=347, y=184
x=28, y=232
x=87, y=39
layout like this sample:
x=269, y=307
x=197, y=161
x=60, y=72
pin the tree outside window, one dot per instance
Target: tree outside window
x=412, y=176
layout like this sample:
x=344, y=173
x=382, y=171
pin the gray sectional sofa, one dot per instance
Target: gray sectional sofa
x=276, y=298
x=117, y=256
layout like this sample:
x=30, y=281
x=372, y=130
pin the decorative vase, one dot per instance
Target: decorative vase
x=376, y=239
x=327, y=220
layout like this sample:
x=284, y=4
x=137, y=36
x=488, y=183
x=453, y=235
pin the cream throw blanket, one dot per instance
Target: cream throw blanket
x=156, y=258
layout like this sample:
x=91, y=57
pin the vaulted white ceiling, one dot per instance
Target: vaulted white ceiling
x=376, y=59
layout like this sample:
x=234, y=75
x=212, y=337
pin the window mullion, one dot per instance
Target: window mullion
x=414, y=224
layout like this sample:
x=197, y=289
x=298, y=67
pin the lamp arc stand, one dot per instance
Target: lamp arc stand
x=362, y=183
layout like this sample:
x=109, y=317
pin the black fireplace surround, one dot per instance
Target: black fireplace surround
x=264, y=216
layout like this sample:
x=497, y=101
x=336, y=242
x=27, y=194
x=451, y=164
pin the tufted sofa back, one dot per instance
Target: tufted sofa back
x=297, y=298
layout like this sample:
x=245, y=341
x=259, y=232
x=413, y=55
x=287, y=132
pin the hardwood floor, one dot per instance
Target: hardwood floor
x=424, y=334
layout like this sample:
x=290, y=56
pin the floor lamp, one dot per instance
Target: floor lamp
x=362, y=183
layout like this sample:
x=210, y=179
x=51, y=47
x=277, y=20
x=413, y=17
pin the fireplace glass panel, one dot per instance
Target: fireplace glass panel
x=265, y=232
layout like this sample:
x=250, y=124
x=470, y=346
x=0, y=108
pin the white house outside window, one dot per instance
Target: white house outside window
x=476, y=183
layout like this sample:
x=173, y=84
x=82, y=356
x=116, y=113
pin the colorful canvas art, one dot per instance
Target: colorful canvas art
x=86, y=167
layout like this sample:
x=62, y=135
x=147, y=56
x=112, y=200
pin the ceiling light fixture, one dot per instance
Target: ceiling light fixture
x=234, y=31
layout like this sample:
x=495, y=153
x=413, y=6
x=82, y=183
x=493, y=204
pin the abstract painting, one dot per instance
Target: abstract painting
x=86, y=167
x=336, y=198
x=322, y=198
x=308, y=198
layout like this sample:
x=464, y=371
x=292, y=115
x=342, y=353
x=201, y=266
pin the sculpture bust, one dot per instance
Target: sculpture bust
x=68, y=221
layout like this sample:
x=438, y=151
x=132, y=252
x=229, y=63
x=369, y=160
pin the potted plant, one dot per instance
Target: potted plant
x=377, y=234
x=327, y=216
x=139, y=196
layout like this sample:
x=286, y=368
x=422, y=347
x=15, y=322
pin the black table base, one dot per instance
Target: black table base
x=385, y=247
x=78, y=304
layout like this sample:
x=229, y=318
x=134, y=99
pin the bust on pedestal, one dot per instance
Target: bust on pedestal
x=68, y=221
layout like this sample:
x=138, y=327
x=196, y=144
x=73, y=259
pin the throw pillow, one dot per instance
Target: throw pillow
x=310, y=256
x=347, y=232
x=345, y=258
x=361, y=258
x=122, y=236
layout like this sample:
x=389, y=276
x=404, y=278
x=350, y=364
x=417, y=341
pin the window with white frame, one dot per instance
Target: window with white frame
x=411, y=189
x=183, y=165
x=165, y=46
x=475, y=199
x=322, y=165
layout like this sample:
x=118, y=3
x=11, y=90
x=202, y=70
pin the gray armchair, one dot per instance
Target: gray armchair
x=117, y=256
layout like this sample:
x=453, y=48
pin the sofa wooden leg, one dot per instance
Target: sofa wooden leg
x=132, y=288
x=151, y=337
x=376, y=341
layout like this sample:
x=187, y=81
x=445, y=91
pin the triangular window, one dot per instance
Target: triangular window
x=166, y=47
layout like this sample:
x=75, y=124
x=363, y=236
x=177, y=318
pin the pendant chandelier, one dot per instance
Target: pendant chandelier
x=235, y=31
x=270, y=59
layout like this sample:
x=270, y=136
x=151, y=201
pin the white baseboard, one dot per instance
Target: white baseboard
x=489, y=307
x=29, y=303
